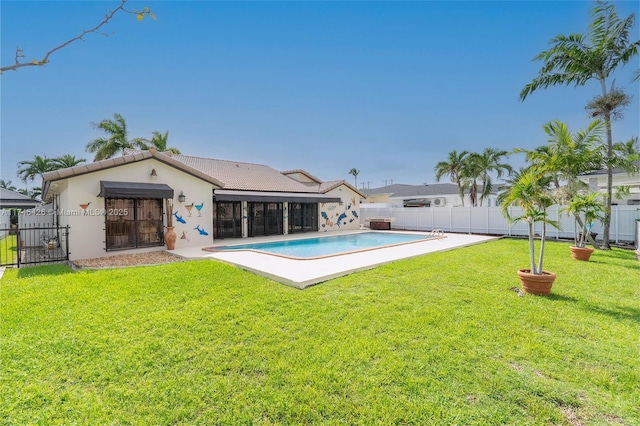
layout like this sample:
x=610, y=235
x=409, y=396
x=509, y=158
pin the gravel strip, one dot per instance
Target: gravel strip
x=124, y=260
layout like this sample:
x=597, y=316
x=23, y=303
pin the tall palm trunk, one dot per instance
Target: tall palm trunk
x=542, y=239
x=532, y=255
x=607, y=209
x=609, y=195
x=460, y=192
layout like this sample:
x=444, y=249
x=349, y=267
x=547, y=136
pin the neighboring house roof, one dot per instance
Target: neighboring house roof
x=615, y=171
x=404, y=191
x=620, y=177
x=14, y=200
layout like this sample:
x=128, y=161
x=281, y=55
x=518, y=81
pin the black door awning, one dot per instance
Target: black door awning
x=109, y=189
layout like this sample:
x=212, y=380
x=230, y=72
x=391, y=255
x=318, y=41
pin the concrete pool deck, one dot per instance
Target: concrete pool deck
x=302, y=273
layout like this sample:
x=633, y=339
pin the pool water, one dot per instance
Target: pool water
x=327, y=246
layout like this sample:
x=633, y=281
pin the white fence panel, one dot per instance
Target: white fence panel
x=5, y=223
x=37, y=217
x=478, y=221
x=490, y=220
x=497, y=224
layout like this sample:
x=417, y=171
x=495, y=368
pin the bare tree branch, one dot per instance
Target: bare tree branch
x=20, y=54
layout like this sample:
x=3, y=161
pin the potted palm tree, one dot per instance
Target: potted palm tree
x=529, y=190
x=586, y=209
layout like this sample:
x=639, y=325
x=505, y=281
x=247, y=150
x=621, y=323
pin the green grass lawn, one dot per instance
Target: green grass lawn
x=439, y=339
x=8, y=250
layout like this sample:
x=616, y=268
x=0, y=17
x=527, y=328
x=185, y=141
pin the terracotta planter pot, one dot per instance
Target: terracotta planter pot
x=536, y=284
x=170, y=238
x=581, y=253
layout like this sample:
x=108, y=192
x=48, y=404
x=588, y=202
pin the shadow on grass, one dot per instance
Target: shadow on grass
x=618, y=313
x=33, y=271
x=632, y=265
x=615, y=254
x=562, y=298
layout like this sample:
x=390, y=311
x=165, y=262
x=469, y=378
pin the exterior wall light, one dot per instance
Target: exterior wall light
x=181, y=197
x=154, y=174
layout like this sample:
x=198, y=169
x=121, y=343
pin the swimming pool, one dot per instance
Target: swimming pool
x=311, y=248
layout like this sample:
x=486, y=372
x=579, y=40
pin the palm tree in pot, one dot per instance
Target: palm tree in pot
x=586, y=209
x=529, y=190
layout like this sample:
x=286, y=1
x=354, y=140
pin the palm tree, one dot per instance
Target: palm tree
x=28, y=170
x=117, y=140
x=6, y=184
x=585, y=208
x=629, y=149
x=566, y=155
x=471, y=174
x=159, y=142
x=626, y=155
x=578, y=58
x=454, y=169
x=489, y=162
x=529, y=190
x=355, y=172
x=64, y=161
x=33, y=193
x=609, y=105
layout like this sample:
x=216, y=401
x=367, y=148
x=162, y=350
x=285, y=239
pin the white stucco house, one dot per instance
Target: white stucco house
x=14, y=200
x=597, y=181
x=429, y=195
x=121, y=205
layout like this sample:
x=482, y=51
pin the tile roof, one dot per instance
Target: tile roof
x=245, y=176
x=230, y=175
x=304, y=172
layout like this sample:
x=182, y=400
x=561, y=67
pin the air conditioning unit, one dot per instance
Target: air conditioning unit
x=439, y=202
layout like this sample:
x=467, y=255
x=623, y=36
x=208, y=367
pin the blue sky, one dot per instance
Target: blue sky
x=387, y=87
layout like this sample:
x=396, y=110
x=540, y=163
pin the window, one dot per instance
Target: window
x=133, y=223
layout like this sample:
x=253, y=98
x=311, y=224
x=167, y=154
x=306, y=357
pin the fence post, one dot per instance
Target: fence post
x=66, y=241
x=487, y=210
x=617, y=222
x=18, y=245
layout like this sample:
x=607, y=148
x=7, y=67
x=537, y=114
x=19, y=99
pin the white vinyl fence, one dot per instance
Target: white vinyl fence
x=37, y=217
x=5, y=222
x=489, y=220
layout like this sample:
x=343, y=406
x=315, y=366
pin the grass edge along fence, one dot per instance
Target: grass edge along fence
x=33, y=245
x=489, y=220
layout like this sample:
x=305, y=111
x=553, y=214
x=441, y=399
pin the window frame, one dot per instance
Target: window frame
x=133, y=228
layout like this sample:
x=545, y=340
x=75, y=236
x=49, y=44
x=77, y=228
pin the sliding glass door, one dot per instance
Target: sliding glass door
x=303, y=217
x=227, y=220
x=265, y=219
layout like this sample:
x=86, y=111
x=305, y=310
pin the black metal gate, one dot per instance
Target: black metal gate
x=33, y=245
